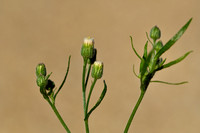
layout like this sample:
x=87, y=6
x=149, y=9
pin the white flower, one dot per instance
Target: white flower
x=88, y=41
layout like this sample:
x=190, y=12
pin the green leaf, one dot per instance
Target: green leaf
x=135, y=72
x=175, y=61
x=173, y=39
x=144, y=58
x=144, y=64
x=99, y=100
x=134, y=49
x=64, y=78
x=160, y=65
x=145, y=50
x=149, y=39
x=47, y=77
x=179, y=83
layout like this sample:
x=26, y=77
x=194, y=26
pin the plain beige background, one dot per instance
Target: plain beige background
x=34, y=31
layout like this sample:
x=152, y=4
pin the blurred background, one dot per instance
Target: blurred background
x=48, y=31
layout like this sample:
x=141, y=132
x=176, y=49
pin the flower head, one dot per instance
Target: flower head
x=87, y=50
x=97, y=69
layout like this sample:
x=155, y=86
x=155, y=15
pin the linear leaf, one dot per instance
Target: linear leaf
x=179, y=83
x=134, y=48
x=64, y=78
x=135, y=72
x=99, y=100
x=173, y=39
x=149, y=39
x=177, y=60
x=145, y=50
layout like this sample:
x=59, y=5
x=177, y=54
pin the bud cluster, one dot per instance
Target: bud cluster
x=151, y=62
x=154, y=63
x=46, y=85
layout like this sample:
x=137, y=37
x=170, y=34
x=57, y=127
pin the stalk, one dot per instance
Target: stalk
x=134, y=111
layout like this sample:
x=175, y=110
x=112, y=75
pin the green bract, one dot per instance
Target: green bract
x=41, y=70
x=41, y=81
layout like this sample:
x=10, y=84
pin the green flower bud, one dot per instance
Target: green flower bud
x=97, y=70
x=87, y=50
x=40, y=70
x=158, y=46
x=41, y=81
x=155, y=33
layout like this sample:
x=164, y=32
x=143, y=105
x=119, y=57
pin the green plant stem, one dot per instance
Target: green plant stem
x=89, y=95
x=88, y=74
x=83, y=75
x=134, y=111
x=84, y=95
x=58, y=116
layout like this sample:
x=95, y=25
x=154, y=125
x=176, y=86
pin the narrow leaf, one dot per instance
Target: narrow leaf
x=64, y=78
x=134, y=49
x=173, y=39
x=149, y=39
x=143, y=63
x=47, y=77
x=162, y=62
x=99, y=100
x=135, y=72
x=179, y=83
x=176, y=61
x=145, y=50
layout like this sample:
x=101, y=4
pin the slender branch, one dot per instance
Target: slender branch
x=84, y=95
x=58, y=116
x=134, y=111
x=88, y=74
x=89, y=95
x=83, y=75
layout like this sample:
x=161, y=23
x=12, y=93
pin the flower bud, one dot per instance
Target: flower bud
x=158, y=46
x=87, y=49
x=97, y=70
x=40, y=70
x=41, y=81
x=155, y=33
